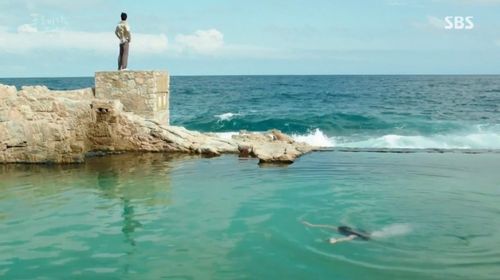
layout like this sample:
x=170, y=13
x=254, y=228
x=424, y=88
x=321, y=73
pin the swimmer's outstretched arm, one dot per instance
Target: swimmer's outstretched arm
x=337, y=240
x=320, y=226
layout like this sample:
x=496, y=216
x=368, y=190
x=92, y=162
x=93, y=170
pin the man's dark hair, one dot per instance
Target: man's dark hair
x=124, y=16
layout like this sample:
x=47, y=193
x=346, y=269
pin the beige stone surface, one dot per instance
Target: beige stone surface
x=38, y=126
x=145, y=93
x=271, y=147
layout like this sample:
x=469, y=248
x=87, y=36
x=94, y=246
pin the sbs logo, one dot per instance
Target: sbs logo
x=459, y=23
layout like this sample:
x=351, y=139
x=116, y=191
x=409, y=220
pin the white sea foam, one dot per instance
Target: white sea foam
x=477, y=139
x=226, y=116
x=452, y=141
x=316, y=138
x=392, y=230
x=226, y=135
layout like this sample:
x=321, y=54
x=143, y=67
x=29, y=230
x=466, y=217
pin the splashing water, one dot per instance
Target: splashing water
x=316, y=138
x=226, y=116
x=483, y=139
x=392, y=230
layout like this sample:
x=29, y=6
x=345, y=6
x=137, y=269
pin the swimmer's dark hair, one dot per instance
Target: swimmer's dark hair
x=345, y=230
x=124, y=16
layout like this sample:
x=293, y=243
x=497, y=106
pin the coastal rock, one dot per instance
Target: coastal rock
x=38, y=125
x=270, y=147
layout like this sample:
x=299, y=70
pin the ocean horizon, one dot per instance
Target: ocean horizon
x=431, y=112
x=234, y=140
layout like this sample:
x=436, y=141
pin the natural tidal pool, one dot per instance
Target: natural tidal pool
x=155, y=216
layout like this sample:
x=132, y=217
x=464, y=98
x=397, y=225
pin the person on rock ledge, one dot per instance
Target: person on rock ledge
x=122, y=31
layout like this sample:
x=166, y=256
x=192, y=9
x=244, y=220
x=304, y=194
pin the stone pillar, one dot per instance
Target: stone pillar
x=144, y=93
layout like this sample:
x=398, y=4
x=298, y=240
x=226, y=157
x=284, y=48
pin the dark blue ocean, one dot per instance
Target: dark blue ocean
x=415, y=112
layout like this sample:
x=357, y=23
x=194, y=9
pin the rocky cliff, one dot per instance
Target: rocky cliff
x=38, y=125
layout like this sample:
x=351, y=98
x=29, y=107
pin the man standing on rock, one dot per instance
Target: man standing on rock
x=122, y=31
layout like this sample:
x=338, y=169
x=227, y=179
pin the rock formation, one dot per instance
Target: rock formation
x=38, y=125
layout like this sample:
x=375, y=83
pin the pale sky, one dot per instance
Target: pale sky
x=45, y=38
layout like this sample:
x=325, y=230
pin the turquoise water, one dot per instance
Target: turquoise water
x=432, y=215
x=153, y=216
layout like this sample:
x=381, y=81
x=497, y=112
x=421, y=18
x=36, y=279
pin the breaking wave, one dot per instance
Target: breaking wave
x=226, y=116
x=472, y=140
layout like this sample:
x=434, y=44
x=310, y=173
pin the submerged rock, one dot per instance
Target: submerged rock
x=38, y=125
